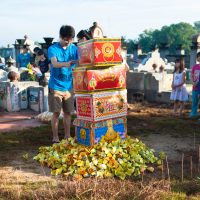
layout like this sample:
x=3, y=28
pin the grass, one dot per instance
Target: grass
x=24, y=179
x=97, y=189
x=88, y=189
x=187, y=187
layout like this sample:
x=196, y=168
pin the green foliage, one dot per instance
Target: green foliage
x=146, y=40
x=174, y=34
x=130, y=46
x=197, y=26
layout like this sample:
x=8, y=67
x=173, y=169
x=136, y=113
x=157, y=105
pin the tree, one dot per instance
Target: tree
x=146, y=40
x=175, y=34
x=128, y=44
x=131, y=44
x=197, y=26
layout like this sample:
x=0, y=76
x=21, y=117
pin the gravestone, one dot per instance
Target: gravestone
x=164, y=49
x=152, y=58
x=3, y=75
x=14, y=95
x=149, y=84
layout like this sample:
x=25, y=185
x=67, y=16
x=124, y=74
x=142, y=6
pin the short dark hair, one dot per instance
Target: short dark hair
x=198, y=54
x=84, y=33
x=67, y=31
x=25, y=46
x=36, y=49
x=40, y=52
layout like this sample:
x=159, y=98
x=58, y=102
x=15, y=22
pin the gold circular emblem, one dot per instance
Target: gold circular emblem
x=108, y=49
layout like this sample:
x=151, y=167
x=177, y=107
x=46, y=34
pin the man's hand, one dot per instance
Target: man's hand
x=74, y=61
x=68, y=64
x=57, y=64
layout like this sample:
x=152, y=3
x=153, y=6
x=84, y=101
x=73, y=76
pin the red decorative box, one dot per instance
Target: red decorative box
x=100, y=52
x=101, y=105
x=99, y=79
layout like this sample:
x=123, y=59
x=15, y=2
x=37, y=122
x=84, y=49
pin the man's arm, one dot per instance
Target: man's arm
x=57, y=64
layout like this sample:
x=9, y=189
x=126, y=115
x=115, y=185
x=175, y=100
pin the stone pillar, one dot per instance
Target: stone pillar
x=47, y=44
x=18, y=47
x=164, y=49
x=154, y=47
x=137, y=50
x=44, y=48
x=195, y=48
x=179, y=50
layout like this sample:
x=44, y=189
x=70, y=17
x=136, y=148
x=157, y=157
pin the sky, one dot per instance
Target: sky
x=129, y=18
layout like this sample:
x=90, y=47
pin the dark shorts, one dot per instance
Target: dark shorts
x=60, y=100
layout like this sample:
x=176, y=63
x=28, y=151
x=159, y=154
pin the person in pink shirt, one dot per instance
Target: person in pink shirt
x=195, y=79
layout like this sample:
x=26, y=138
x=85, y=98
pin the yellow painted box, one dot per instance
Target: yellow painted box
x=91, y=133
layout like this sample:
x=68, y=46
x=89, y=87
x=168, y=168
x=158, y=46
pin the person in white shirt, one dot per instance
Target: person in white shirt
x=179, y=93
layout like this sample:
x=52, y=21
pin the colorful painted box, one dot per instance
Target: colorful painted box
x=100, y=52
x=90, y=133
x=99, y=79
x=101, y=105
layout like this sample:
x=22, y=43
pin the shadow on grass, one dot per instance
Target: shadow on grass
x=175, y=127
x=15, y=144
x=191, y=187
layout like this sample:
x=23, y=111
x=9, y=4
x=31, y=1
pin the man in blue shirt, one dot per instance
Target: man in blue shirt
x=24, y=58
x=63, y=56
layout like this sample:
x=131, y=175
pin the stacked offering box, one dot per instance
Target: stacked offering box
x=91, y=133
x=100, y=90
x=100, y=52
x=99, y=79
x=101, y=105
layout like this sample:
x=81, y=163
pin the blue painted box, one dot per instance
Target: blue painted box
x=91, y=133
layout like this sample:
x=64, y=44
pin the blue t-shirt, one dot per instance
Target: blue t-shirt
x=23, y=59
x=61, y=78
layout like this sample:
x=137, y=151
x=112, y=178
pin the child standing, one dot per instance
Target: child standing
x=195, y=80
x=179, y=93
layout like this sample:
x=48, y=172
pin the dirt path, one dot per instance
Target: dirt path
x=14, y=121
